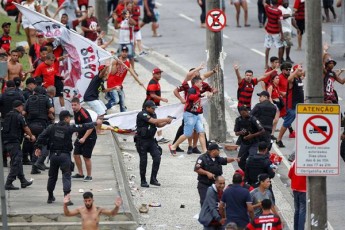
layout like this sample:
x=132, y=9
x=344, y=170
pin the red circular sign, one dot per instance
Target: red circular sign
x=317, y=129
x=215, y=20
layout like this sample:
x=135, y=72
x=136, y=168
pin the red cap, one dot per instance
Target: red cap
x=239, y=171
x=295, y=67
x=101, y=67
x=156, y=70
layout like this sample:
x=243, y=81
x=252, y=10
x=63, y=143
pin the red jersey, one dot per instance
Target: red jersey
x=245, y=92
x=275, y=92
x=9, y=6
x=47, y=73
x=135, y=17
x=299, y=6
x=268, y=221
x=267, y=80
x=86, y=23
x=58, y=51
x=283, y=83
x=185, y=87
x=193, y=102
x=83, y=3
x=118, y=77
x=5, y=42
x=274, y=15
x=298, y=183
x=153, y=88
x=59, y=2
x=119, y=8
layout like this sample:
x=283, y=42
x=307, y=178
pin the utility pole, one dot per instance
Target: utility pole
x=216, y=118
x=316, y=192
x=101, y=13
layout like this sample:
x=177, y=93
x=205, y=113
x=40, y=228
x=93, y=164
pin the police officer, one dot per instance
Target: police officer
x=147, y=124
x=248, y=128
x=58, y=138
x=209, y=166
x=39, y=111
x=265, y=112
x=12, y=137
x=30, y=84
x=6, y=101
x=258, y=164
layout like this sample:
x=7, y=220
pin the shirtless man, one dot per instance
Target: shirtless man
x=15, y=69
x=90, y=213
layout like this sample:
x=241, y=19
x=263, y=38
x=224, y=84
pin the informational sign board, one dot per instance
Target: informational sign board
x=317, y=139
x=215, y=20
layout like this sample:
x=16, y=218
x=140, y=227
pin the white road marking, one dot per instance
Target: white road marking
x=323, y=32
x=225, y=36
x=186, y=17
x=258, y=52
x=285, y=161
x=158, y=4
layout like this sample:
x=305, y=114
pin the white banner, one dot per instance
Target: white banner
x=127, y=120
x=84, y=55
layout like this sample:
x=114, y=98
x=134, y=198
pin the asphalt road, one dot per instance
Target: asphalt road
x=184, y=42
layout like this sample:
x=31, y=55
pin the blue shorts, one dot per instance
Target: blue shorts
x=289, y=117
x=191, y=122
x=97, y=106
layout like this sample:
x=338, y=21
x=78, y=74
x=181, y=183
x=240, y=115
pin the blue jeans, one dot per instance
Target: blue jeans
x=116, y=97
x=300, y=201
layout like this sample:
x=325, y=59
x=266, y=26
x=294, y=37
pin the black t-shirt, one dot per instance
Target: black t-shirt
x=82, y=117
x=92, y=91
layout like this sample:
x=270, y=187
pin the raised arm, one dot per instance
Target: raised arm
x=237, y=71
x=115, y=210
x=66, y=211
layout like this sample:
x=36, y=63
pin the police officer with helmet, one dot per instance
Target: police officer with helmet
x=265, y=112
x=12, y=136
x=209, y=166
x=39, y=111
x=147, y=124
x=58, y=139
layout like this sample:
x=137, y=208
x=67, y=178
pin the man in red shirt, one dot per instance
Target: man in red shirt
x=5, y=39
x=267, y=220
x=274, y=32
x=153, y=93
x=246, y=86
x=115, y=80
x=46, y=71
x=299, y=188
x=298, y=9
x=90, y=26
x=192, y=116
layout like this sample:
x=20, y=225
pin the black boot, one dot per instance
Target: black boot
x=10, y=187
x=26, y=161
x=24, y=183
x=35, y=170
x=51, y=198
x=40, y=166
x=155, y=182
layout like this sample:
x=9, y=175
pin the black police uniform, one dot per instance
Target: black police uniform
x=37, y=109
x=248, y=147
x=265, y=112
x=213, y=166
x=6, y=101
x=12, y=137
x=256, y=165
x=58, y=138
x=145, y=142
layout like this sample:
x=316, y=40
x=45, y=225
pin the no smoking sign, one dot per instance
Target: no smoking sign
x=215, y=20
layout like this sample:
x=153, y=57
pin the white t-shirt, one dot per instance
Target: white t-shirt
x=31, y=6
x=125, y=32
x=69, y=8
x=286, y=23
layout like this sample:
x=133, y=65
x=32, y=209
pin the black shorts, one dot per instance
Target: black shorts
x=327, y=3
x=301, y=25
x=59, y=86
x=86, y=148
x=147, y=19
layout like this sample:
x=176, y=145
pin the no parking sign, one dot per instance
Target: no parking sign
x=215, y=20
x=318, y=139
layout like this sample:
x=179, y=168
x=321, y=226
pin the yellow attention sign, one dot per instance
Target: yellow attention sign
x=318, y=109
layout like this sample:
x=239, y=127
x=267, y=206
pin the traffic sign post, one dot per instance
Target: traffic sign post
x=318, y=139
x=215, y=20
